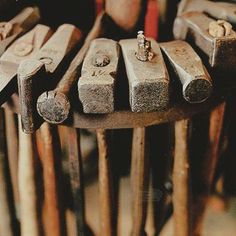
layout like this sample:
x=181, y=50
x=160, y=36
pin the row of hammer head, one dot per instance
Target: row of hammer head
x=46, y=78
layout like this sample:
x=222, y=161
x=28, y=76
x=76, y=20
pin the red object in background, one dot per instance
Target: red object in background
x=151, y=20
x=99, y=5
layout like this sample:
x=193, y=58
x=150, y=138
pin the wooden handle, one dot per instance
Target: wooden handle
x=181, y=180
x=27, y=185
x=107, y=218
x=6, y=226
x=50, y=158
x=139, y=181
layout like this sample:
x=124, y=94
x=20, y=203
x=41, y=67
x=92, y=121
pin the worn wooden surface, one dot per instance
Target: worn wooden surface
x=23, y=48
x=148, y=81
x=209, y=166
x=181, y=180
x=21, y=23
x=139, y=181
x=12, y=154
x=6, y=226
x=32, y=79
x=58, y=104
x=219, y=10
x=195, y=80
x=195, y=26
x=49, y=159
x=29, y=219
x=96, y=86
x=106, y=197
x=73, y=150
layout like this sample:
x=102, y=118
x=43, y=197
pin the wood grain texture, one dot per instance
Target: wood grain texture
x=208, y=168
x=148, y=81
x=181, y=180
x=6, y=226
x=195, y=80
x=106, y=197
x=12, y=154
x=73, y=150
x=29, y=220
x=220, y=50
x=139, y=181
x=21, y=23
x=96, y=86
x=59, y=98
x=23, y=48
x=49, y=159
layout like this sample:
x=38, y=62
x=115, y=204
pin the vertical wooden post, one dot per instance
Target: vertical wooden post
x=208, y=168
x=12, y=154
x=139, y=181
x=181, y=177
x=76, y=177
x=160, y=141
x=6, y=227
x=108, y=227
x=27, y=185
x=49, y=163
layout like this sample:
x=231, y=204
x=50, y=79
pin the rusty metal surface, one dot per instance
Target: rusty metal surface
x=196, y=82
x=194, y=27
x=96, y=86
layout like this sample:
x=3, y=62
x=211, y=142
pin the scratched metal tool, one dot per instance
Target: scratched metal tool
x=23, y=48
x=210, y=36
x=147, y=74
x=21, y=23
x=96, y=86
x=39, y=73
x=195, y=80
x=219, y=10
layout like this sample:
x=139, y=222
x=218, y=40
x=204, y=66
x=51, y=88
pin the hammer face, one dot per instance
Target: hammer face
x=148, y=81
x=194, y=26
